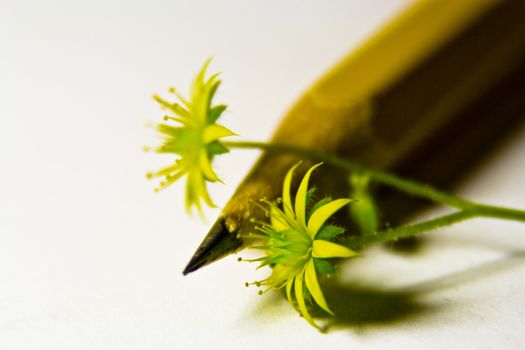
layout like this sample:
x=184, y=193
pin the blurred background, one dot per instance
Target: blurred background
x=91, y=257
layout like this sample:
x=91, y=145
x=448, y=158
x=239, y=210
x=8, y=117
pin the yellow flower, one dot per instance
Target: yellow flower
x=195, y=138
x=297, y=242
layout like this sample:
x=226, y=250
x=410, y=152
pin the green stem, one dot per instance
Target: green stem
x=407, y=186
x=408, y=230
x=394, y=234
x=490, y=211
x=467, y=208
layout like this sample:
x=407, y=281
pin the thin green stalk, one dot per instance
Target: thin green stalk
x=467, y=208
x=407, y=186
x=394, y=234
x=491, y=211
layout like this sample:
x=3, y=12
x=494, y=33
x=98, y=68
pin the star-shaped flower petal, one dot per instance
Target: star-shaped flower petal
x=295, y=239
x=195, y=138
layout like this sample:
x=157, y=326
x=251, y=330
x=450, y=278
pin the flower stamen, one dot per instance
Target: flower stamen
x=290, y=242
x=196, y=139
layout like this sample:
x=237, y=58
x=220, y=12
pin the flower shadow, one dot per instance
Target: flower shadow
x=366, y=307
x=361, y=308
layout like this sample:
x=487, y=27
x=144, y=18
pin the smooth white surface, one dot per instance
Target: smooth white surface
x=90, y=257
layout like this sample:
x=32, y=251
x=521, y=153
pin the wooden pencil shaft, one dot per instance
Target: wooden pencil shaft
x=466, y=84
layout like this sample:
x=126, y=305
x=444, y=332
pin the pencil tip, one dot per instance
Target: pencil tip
x=218, y=243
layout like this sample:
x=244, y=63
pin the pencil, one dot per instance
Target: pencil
x=427, y=97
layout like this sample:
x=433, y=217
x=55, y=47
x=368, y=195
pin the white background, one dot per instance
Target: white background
x=91, y=257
